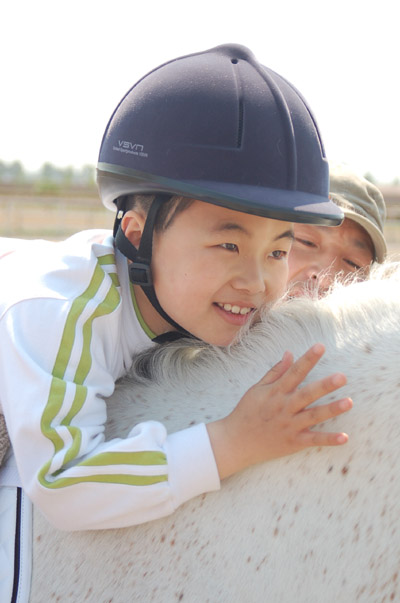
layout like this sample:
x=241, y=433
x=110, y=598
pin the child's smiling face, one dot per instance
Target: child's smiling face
x=213, y=268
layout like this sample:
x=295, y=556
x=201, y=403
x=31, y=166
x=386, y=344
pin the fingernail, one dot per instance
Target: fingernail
x=342, y=438
x=345, y=404
x=318, y=348
x=338, y=379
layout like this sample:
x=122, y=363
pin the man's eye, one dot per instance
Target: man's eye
x=353, y=265
x=278, y=254
x=305, y=242
x=230, y=246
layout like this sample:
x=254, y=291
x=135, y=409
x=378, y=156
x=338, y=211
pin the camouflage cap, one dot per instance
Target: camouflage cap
x=362, y=202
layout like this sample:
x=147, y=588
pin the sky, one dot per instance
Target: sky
x=66, y=65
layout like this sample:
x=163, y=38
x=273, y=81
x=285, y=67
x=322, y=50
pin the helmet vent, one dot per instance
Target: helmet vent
x=235, y=61
x=240, y=124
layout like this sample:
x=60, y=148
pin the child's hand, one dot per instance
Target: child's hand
x=272, y=419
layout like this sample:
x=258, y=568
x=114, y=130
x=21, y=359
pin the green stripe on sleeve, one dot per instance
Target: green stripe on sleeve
x=147, y=457
x=109, y=260
x=56, y=397
x=58, y=386
x=68, y=336
x=58, y=391
x=128, y=480
x=109, y=304
x=114, y=279
x=106, y=260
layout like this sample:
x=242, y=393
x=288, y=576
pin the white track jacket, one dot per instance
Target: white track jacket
x=68, y=330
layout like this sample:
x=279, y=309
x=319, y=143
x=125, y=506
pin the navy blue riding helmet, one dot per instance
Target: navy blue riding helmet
x=219, y=127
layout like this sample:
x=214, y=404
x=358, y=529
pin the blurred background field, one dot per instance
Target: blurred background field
x=51, y=203
x=58, y=203
x=52, y=216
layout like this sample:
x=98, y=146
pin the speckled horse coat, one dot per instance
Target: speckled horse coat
x=322, y=525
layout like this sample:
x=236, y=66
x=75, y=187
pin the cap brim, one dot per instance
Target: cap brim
x=377, y=237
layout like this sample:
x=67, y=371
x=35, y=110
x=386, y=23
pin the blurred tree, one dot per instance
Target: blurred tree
x=48, y=178
x=87, y=176
x=68, y=175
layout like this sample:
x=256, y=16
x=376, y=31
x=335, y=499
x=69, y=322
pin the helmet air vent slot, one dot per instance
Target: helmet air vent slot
x=240, y=124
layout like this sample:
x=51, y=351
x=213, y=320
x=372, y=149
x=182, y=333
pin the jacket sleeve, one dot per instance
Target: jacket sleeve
x=53, y=403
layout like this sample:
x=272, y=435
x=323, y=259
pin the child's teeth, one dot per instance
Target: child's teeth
x=234, y=309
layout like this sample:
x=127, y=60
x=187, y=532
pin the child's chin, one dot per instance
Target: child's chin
x=223, y=342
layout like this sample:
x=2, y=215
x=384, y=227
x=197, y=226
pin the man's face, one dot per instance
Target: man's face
x=321, y=253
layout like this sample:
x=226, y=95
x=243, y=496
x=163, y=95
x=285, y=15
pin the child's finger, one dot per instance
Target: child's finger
x=278, y=369
x=299, y=370
x=319, y=414
x=320, y=438
x=311, y=392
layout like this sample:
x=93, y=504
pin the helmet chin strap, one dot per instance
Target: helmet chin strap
x=140, y=266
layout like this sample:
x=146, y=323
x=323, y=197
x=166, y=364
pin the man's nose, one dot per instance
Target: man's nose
x=321, y=275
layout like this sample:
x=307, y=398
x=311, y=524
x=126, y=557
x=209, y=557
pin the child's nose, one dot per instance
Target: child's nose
x=251, y=278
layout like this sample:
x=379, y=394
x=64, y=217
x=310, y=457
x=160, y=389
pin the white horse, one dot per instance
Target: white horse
x=321, y=525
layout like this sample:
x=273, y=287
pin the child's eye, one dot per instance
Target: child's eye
x=278, y=254
x=230, y=246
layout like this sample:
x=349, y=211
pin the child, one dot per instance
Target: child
x=208, y=158
x=320, y=254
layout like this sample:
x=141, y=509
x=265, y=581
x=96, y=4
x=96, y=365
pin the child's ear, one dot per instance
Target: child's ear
x=133, y=224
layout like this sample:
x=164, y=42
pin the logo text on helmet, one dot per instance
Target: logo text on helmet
x=133, y=148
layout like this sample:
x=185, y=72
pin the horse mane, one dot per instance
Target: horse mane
x=351, y=312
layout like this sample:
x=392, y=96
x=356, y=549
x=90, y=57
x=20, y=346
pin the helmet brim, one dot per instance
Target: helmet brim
x=277, y=204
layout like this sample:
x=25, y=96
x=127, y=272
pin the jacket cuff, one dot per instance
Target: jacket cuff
x=192, y=469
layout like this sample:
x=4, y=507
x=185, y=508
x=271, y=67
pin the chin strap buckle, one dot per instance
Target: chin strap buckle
x=140, y=274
